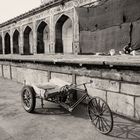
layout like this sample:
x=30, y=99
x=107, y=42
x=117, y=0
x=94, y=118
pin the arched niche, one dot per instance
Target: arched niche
x=63, y=35
x=7, y=43
x=28, y=40
x=16, y=42
x=43, y=38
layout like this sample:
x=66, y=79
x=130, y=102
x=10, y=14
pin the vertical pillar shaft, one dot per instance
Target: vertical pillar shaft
x=21, y=41
x=3, y=43
x=34, y=38
x=11, y=41
x=76, y=47
x=52, y=34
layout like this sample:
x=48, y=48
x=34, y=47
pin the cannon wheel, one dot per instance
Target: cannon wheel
x=28, y=98
x=100, y=115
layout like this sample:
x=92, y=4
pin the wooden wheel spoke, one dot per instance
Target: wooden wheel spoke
x=92, y=120
x=97, y=121
x=99, y=124
x=95, y=105
x=104, y=120
x=105, y=108
x=104, y=126
x=93, y=109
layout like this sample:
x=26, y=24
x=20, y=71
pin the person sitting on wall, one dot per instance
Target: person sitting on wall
x=127, y=48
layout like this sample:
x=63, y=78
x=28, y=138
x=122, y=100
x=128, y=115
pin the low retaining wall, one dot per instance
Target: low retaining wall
x=119, y=86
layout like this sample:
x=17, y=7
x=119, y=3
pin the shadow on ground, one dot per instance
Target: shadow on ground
x=80, y=111
x=124, y=129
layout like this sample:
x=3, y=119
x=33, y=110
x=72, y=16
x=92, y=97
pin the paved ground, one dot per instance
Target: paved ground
x=53, y=122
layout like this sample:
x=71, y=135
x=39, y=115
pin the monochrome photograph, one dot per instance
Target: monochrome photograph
x=70, y=70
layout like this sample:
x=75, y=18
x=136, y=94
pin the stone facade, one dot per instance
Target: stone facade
x=43, y=30
x=73, y=27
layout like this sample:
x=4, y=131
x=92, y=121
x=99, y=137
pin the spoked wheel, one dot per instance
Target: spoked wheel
x=28, y=98
x=100, y=115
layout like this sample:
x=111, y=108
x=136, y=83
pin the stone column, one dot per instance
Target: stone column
x=21, y=41
x=52, y=33
x=3, y=43
x=76, y=47
x=11, y=40
x=34, y=38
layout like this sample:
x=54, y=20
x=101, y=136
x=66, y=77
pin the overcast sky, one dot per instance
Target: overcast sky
x=12, y=8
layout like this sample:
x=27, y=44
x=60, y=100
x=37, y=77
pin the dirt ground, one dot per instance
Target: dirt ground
x=52, y=122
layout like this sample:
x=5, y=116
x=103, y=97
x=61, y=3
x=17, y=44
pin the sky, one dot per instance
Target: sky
x=12, y=8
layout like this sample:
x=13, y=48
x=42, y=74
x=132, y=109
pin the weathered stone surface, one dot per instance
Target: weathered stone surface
x=131, y=76
x=36, y=77
x=64, y=77
x=115, y=37
x=131, y=89
x=0, y=70
x=137, y=108
x=108, y=85
x=6, y=71
x=101, y=84
x=96, y=92
x=29, y=76
x=122, y=104
x=111, y=74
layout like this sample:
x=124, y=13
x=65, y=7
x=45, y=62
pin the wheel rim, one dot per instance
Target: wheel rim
x=100, y=115
x=27, y=99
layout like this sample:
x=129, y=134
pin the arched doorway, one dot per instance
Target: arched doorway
x=28, y=40
x=63, y=35
x=7, y=44
x=1, y=49
x=16, y=42
x=43, y=38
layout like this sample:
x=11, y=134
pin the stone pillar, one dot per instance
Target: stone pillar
x=76, y=47
x=3, y=44
x=34, y=38
x=52, y=33
x=21, y=41
x=11, y=40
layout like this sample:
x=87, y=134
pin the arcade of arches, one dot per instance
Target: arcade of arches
x=63, y=39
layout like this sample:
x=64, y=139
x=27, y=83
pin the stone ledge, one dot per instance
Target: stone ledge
x=109, y=61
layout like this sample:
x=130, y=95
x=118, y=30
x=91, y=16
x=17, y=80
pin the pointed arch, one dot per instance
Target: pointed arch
x=63, y=35
x=1, y=47
x=16, y=42
x=28, y=40
x=7, y=43
x=43, y=38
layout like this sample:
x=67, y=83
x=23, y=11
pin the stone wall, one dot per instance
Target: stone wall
x=111, y=25
x=119, y=87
